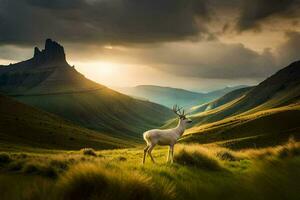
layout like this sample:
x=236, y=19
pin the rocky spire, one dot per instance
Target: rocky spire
x=52, y=54
x=37, y=52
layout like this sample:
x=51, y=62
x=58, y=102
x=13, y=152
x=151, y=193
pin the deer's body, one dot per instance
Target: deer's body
x=165, y=137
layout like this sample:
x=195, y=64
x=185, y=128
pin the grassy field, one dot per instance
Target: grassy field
x=199, y=172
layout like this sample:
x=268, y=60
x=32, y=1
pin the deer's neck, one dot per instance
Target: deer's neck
x=180, y=128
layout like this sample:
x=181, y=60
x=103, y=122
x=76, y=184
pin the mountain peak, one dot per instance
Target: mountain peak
x=53, y=53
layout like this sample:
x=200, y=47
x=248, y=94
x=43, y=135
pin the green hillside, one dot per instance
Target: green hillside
x=282, y=88
x=103, y=109
x=264, y=128
x=47, y=82
x=23, y=126
x=263, y=115
x=222, y=100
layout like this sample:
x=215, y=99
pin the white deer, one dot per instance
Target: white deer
x=166, y=137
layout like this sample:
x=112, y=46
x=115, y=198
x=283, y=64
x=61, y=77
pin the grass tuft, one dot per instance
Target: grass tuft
x=197, y=157
x=40, y=169
x=226, y=154
x=290, y=149
x=88, y=152
x=287, y=150
x=90, y=181
x=4, y=158
x=121, y=158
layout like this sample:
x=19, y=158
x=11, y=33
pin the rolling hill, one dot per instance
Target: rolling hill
x=168, y=96
x=22, y=126
x=280, y=89
x=261, y=129
x=222, y=100
x=48, y=82
x=266, y=114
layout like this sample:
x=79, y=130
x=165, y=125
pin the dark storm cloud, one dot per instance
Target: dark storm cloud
x=289, y=51
x=210, y=60
x=255, y=11
x=175, y=26
x=107, y=21
x=130, y=21
x=57, y=4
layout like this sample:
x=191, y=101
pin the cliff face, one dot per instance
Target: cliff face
x=52, y=54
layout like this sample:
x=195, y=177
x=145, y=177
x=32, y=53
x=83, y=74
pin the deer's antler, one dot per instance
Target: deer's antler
x=177, y=111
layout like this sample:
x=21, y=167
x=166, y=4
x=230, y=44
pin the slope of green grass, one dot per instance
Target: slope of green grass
x=22, y=126
x=104, y=110
x=263, y=128
x=199, y=172
x=222, y=100
x=67, y=93
x=282, y=88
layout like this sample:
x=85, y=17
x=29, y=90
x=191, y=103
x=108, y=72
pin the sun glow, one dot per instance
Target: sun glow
x=106, y=69
x=103, y=72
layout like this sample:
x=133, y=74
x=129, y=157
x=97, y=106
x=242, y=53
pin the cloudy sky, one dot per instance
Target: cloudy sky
x=194, y=44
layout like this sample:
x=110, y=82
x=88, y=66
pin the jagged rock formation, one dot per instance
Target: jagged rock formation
x=52, y=54
x=45, y=72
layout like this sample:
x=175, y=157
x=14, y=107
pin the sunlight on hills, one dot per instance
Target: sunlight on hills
x=262, y=128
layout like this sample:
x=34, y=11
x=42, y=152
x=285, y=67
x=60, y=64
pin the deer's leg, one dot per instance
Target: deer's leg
x=172, y=152
x=145, y=152
x=150, y=150
x=169, y=151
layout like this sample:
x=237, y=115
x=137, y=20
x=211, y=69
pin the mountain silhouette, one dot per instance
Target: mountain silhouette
x=52, y=54
x=48, y=82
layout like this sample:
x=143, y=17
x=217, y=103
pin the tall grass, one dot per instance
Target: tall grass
x=196, y=156
x=4, y=158
x=199, y=172
x=88, y=152
x=289, y=149
x=89, y=181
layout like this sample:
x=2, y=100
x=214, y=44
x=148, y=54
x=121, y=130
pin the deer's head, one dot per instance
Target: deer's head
x=180, y=113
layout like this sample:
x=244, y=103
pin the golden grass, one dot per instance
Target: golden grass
x=91, y=181
x=289, y=149
x=199, y=172
x=241, y=118
x=88, y=151
x=196, y=156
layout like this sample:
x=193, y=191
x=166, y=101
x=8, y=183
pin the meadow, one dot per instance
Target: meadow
x=198, y=172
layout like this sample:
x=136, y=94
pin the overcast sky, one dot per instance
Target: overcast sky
x=193, y=44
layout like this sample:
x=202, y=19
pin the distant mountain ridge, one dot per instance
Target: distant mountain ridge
x=48, y=82
x=169, y=96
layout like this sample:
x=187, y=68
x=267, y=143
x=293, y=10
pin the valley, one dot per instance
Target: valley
x=67, y=137
x=168, y=96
